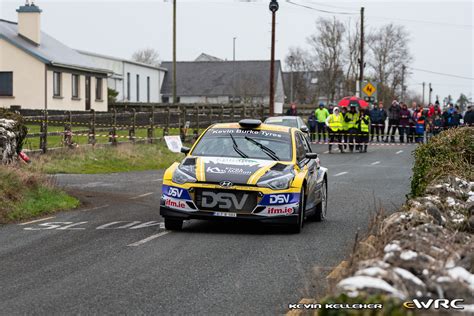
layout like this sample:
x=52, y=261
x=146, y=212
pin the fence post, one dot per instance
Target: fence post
x=113, y=132
x=210, y=114
x=232, y=113
x=244, y=111
x=221, y=114
x=196, y=126
x=44, y=133
x=262, y=112
x=68, y=130
x=182, y=127
x=92, y=128
x=168, y=119
x=151, y=129
x=131, y=131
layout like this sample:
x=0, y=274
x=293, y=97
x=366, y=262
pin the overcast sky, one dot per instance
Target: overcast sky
x=442, y=42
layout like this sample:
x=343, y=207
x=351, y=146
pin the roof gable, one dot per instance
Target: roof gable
x=50, y=51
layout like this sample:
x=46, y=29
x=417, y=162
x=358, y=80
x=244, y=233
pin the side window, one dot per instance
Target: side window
x=306, y=144
x=300, y=150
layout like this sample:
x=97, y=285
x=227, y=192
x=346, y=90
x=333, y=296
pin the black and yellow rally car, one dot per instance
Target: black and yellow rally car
x=246, y=171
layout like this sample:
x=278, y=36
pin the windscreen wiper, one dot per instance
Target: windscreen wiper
x=264, y=148
x=237, y=149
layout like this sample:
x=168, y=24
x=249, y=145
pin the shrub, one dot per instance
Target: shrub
x=449, y=153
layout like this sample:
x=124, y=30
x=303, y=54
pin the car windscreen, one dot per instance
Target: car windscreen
x=290, y=122
x=244, y=143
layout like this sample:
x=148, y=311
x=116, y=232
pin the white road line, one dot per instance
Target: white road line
x=141, y=242
x=95, y=208
x=157, y=180
x=375, y=163
x=340, y=173
x=36, y=221
x=399, y=152
x=326, y=152
x=141, y=195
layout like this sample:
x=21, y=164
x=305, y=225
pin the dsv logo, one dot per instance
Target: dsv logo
x=175, y=192
x=223, y=200
x=436, y=304
x=279, y=198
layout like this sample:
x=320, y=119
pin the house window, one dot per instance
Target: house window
x=75, y=86
x=138, y=88
x=6, y=84
x=148, y=89
x=56, y=84
x=128, y=86
x=165, y=99
x=98, y=89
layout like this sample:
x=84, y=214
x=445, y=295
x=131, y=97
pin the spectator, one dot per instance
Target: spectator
x=312, y=123
x=469, y=116
x=420, y=126
x=446, y=119
x=351, y=119
x=321, y=115
x=393, y=120
x=431, y=110
x=404, y=123
x=345, y=127
x=363, y=128
x=377, y=118
x=429, y=127
x=334, y=124
x=437, y=108
x=437, y=124
x=411, y=130
x=456, y=117
x=292, y=110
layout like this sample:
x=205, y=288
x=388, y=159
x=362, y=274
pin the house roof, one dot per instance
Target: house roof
x=83, y=52
x=216, y=78
x=206, y=57
x=50, y=51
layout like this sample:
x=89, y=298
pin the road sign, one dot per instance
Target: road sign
x=369, y=89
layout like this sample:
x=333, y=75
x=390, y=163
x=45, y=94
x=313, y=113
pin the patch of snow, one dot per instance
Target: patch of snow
x=425, y=272
x=419, y=293
x=461, y=274
x=372, y=271
x=405, y=274
x=450, y=201
x=360, y=282
x=393, y=246
x=443, y=279
x=388, y=256
x=408, y=255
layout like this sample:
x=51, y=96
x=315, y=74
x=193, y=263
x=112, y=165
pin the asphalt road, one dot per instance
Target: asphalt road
x=113, y=256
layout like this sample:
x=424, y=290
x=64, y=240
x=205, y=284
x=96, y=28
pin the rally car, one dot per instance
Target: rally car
x=246, y=171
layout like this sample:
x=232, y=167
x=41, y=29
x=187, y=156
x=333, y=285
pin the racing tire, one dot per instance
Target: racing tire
x=298, y=226
x=173, y=224
x=322, y=207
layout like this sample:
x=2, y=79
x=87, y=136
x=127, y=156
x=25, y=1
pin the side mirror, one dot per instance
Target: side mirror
x=311, y=155
x=304, y=129
x=185, y=150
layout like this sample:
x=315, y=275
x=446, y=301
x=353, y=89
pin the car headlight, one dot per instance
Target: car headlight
x=281, y=182
x=182, y=177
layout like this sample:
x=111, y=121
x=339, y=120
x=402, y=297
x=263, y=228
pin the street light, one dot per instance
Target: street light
x=273, y=8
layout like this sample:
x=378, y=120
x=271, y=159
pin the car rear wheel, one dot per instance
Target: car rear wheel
x=298, y=226
x=321, y=208
x=173, y=224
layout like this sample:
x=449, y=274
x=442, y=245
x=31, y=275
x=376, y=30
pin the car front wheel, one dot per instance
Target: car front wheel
x=321, y=208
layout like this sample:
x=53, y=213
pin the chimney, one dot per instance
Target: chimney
x=29, y=22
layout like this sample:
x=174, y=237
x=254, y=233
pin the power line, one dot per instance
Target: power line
x=442, y=74
x=318, y=10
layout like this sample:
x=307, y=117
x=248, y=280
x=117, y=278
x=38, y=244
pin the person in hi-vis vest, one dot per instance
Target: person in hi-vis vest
x=334, y=124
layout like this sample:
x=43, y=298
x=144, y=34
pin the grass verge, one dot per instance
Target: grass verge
x=27, y=194
x=108, y=159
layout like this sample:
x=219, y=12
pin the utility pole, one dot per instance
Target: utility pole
x=403, y=83
x=429, y=92
x=233, y=72
x=174, y=51
x=291, y=59
x=273, y=8
x=361, y=72
x=423, y=99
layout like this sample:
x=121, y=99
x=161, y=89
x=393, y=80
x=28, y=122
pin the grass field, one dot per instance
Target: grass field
x=108, y=159
x=57, y=141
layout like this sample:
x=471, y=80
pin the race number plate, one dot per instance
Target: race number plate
x=225, y=214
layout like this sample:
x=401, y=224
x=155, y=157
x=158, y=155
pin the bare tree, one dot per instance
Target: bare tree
x=300, y=66
x=352, y=56
x=147, y=56
x=327, y=45
x=388, y=48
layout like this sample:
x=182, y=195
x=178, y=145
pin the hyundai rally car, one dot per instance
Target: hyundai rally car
x=246, y=171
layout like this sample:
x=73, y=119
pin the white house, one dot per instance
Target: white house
x=134, y=81
x=39, y=72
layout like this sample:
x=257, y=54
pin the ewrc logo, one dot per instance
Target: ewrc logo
x=436, y=304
